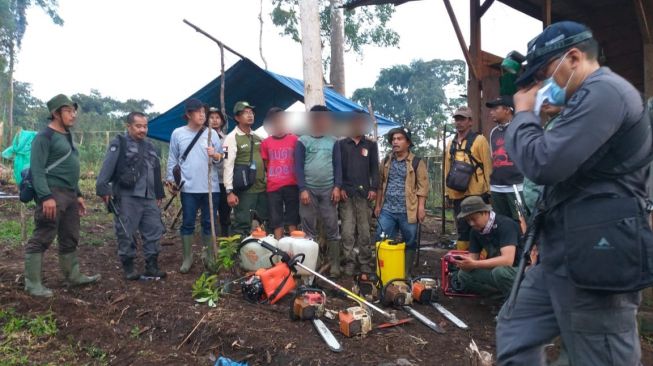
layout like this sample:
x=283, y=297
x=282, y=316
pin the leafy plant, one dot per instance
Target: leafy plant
x=96, y=353
x=205, y=290
x=135, y=332
x=14, y=324
x=43, y=325
x=228, y=248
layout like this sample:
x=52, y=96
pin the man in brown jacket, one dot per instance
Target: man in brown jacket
x=401, y=198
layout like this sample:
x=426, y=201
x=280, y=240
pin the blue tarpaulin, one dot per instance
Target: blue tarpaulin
x=261, y=88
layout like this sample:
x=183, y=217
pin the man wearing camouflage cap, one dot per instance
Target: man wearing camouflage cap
x=55, y=177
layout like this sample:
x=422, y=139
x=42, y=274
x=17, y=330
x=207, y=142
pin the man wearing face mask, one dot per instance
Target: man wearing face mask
x=593, y=165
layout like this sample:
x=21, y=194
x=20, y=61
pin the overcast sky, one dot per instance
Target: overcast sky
x=141, y=49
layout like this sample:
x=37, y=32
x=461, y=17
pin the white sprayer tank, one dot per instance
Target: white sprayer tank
x=298, y=243
x=253, y=256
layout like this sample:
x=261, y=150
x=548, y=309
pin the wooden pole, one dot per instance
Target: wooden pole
x=443, y=179
x=211, y=214
x=309, y=15
x=376, y=122
x=475, y=92
x=223, y=108
x=201, y=31
x=546, y=13
x=461, y=39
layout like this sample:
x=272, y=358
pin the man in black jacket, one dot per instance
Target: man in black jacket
x=131, y=173
x=594, y=168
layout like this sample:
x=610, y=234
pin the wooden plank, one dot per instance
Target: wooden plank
x=461, y=39
x=644, y=11
x=546, y=13
x=485, y=7
x=475, y=90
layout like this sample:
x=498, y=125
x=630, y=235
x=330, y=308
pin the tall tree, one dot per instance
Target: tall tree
x=311, y=52
x=337, y=69
x=362, y=26
x=416, y=96
x=13, y=24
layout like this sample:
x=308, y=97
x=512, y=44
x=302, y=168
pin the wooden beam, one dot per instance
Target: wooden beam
x=546, y=13
x=461, y=39
x=475, y=89
x=644, y=10
x=486, y=5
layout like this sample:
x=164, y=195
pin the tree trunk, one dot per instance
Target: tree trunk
x=337, y=69
x=10, y=96
x=260, y=35
x=309, y=15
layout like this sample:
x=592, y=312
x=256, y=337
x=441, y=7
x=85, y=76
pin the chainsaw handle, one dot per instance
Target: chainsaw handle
x=275, y=251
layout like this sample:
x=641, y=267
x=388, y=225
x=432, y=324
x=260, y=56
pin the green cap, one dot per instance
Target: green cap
x=59, y=101
x=241, y=106
x=472, y=204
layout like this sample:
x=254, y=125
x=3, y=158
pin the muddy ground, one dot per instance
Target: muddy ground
x=144, y=322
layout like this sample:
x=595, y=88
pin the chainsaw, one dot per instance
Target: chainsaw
x=309, y=304
x=355, y=321
x=425, y=291
x=398, y=293
x=367, y=285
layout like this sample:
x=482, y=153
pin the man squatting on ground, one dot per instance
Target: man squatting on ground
x=401, y=199
x=278, y=153
x=131, y=173
x=594, y=165
x=195, y=174
x=243, y=147
x=468, y=149
x=360, y=181
x=54, y=164
x=498, y=235
x=318, y=168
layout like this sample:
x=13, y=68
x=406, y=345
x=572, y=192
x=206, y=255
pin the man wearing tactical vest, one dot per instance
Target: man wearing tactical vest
x=467, y=166
x=55, y=177
x=131, y=173
x=244, y=172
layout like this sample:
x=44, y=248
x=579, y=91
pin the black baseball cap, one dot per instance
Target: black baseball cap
x=554, y=41
x=504, y=100
x=192, y=105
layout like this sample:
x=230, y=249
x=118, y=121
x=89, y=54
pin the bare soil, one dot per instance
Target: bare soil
x=144, y=322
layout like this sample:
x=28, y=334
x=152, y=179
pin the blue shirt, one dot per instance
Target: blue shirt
x=194, y=170
x=395, y=193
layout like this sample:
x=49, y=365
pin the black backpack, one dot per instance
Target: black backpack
x=129, y=170
x=460, y=172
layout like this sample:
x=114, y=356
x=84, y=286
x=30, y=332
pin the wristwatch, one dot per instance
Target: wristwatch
x=229, y=191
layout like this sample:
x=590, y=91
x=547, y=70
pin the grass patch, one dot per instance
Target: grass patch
x=97, y=354
x=10, y=231
x=20, y=334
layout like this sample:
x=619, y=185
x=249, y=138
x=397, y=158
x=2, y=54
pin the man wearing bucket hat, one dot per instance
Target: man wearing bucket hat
x=401, y=198
x=244, y=171
x=594, y=166
x=498, y=235
x=191, y=152
x=55, y=177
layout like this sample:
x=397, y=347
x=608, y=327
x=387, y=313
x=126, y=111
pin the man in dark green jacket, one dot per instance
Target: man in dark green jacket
x=55, y=175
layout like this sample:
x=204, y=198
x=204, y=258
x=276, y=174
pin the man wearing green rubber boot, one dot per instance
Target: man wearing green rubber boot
x=55, y=177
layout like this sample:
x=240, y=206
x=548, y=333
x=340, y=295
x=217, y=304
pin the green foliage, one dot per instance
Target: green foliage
x=13, y=325
x=96, y=353
x=228, y=248
x=10, y=231
x=366, y=25
x=43, y=325
x=135, y=332
x=205, y=290
x=414, y=96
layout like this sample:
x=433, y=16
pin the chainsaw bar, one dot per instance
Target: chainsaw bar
x=327, y=336
x=449, y=315
x=426, y=321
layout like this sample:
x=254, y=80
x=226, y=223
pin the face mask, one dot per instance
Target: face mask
x=551, y=91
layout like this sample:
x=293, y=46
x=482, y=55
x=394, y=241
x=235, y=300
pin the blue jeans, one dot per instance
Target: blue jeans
x=389, y=223
x=190, y=203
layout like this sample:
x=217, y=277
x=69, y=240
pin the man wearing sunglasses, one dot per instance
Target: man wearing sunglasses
x=594, y=166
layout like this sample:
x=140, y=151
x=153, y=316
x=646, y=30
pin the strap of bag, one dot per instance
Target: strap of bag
x=60, y=160
x=416, y=161
x=251, y=149
x=192, y=143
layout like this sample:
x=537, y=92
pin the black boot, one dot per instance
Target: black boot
x=152, y=267
x=130, y=273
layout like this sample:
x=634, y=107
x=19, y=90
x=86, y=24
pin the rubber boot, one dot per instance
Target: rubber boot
x=69, y=265
x=33, y=285
x=409, y=257
x=333, y=252
x=152, y=267
x=187, y=251
x=208, y=254
x=128, y=267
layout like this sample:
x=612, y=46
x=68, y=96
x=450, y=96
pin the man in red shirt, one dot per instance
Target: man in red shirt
x=278, y=153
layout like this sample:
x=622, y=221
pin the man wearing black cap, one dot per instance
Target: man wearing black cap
x=403, y=189
x=594, y=166
x=498, y=235
x=504, y=172
x=54, y=164
x=190, y=150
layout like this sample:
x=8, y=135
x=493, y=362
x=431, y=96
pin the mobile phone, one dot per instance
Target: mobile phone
x=458, y=257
